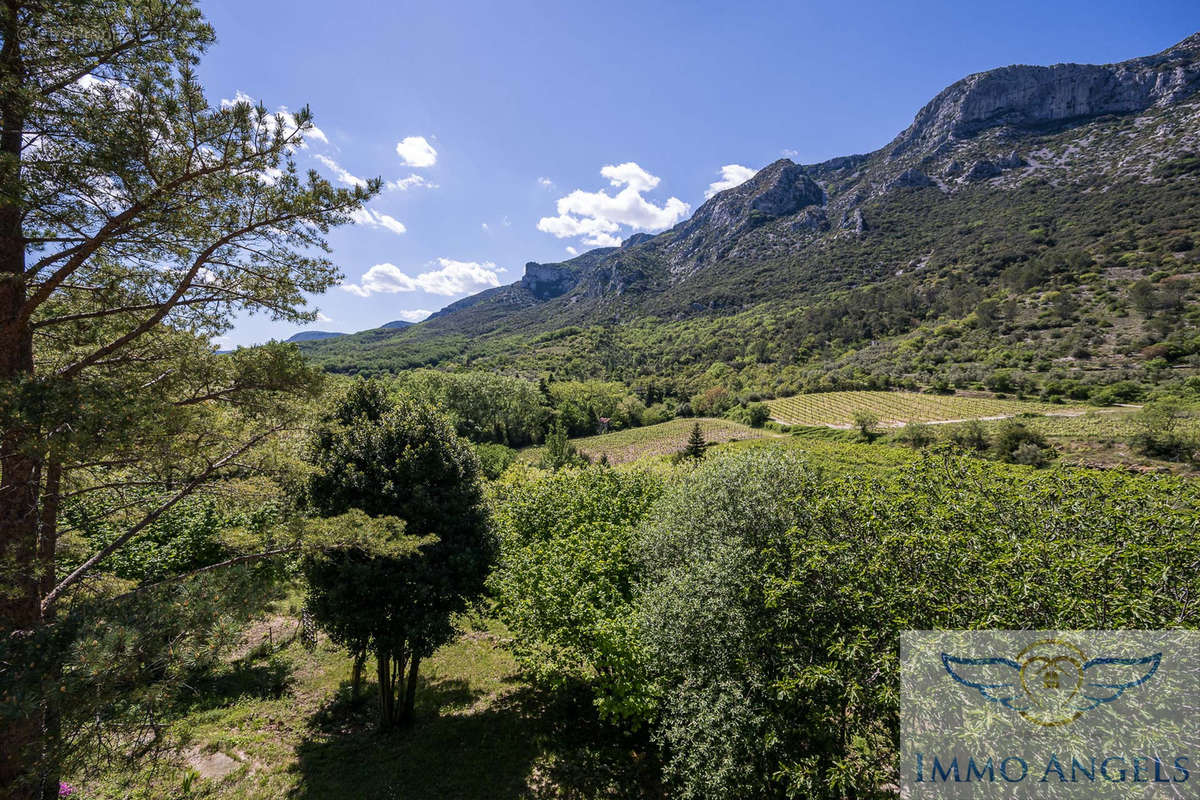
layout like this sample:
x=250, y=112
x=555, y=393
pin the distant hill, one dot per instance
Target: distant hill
x=396, y=323
x=313, y=336
x=1044, y=220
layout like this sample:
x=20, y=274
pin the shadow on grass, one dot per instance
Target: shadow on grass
x=252, y=677
x=524, y=744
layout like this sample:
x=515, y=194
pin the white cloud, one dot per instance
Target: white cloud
x=415, y=151
x=413, y=315
x=282, y=116
x=572, y=250
x=453, y=277
x=731, y=175
x=411, y=182
x=342, y=175
x=376, y=219
x=598, y=216
x=322, y=318
x=546, y=183
x=484, y=226
x=789, y=153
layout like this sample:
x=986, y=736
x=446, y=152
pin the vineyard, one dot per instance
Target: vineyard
x=837, y=409
x=632, y=444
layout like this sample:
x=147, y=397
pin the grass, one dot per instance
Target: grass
x=285, y=718
x=837, y=409
x=665, y=438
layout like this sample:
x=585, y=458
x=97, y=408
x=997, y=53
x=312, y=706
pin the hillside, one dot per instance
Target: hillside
x=1039, y=219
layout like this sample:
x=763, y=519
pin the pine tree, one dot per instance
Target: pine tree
x=696, y=446
x=136, y=221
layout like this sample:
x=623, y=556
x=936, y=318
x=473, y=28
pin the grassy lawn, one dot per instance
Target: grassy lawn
x=837, y=409
x=666, y=438
x=279, y=723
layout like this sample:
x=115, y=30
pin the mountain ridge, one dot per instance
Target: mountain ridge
x=1045, y=150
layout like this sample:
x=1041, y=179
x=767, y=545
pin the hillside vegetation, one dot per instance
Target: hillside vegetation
x=1054, y=254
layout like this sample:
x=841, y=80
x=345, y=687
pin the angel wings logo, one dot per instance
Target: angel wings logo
x=1051, y=682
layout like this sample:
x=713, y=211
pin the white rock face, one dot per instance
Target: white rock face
x=1028, y=97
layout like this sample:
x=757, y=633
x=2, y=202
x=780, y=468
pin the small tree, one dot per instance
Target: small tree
x=559, y=451
x=757, y=414
x=696, y=446
x=401, y=459
x=1161, y=431
x=916, y=435
x=1018, y=444
x=867, y=424
x=969, y=435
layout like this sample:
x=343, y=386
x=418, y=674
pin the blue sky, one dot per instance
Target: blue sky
x=514, y=131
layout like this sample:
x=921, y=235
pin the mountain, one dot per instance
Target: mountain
x=313, y=336
x=396, y=323
x=1042, y=219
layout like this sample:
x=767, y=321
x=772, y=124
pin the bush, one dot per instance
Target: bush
x=773, y=597
x=867, y=424
x=1016, y=443
x=565, y=581
x=969, y=435
x=1163, y=432
x=916, y=435
x=494, y=459
x=559, y=452
x=757, y=414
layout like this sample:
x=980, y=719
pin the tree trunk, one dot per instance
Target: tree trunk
x=356, y=676
x=410, y=691
x=20, y=608
x=383, y=672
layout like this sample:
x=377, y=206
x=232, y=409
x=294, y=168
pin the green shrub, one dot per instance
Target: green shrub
x=774, y=595
x=970, y=436
x=494, y=459
x=1163, y=431
x=916, y=435
x=1018, y=444
x=565, y=580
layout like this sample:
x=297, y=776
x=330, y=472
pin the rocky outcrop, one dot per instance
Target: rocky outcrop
x=637, y=239
x=981, y=170
x=780, y=189
x=548, y=280
x=910, y=179
x=1026, y=97
x=853, y=221
x=810, y=219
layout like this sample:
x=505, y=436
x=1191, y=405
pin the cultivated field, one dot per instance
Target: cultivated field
x=837, y=409
x=666, y=438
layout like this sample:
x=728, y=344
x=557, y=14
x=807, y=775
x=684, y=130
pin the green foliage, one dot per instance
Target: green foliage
x=774, y=596
x=1016, y=443
x=969, y=436
x=396, y=458
x=559, y=452
x=916, y=435
x=186, y=537
x=494, y=459
x=696, y=447
x=565, y=581
x=867, y=424
x=484, y=406
x=1162, y=433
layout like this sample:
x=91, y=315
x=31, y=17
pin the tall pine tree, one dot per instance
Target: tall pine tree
x=136, y=220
